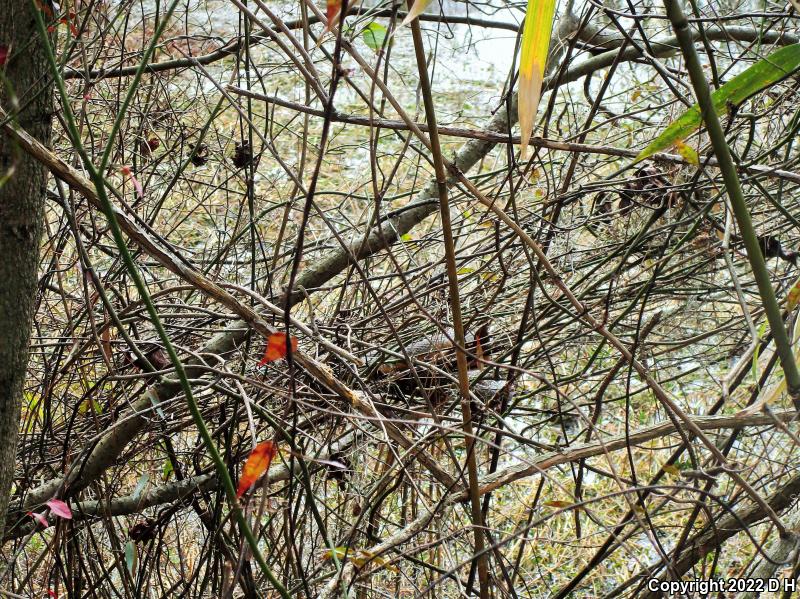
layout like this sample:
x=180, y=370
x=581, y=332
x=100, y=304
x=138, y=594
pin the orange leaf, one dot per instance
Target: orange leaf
x=557, y=503
x=105, y=344
x=276, y=348
x=257, y=464
x=793, y=298
x=334, y=6
x=479, y=353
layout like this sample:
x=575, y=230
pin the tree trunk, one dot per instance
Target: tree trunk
x=22, y=197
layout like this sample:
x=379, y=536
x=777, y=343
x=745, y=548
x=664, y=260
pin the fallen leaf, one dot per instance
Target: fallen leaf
x=3, y=54
x=59, y=508
x=276, y=348
x=257, y=464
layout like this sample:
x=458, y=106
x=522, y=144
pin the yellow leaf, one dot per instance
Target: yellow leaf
x=671, y=469
x=533, y=58
x=687, y=152
x=359, y=557
x=417, y=9
x=339, y=552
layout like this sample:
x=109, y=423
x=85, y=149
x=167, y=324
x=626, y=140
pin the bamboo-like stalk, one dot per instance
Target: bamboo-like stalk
x=726, y=165
x=455, y=308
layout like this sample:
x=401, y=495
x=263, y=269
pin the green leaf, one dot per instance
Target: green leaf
x=374, y=35
x=155, y=402
x=761, y=330
x=130, y=557
x=167, y=470
x=759, y=76
x=140, y=486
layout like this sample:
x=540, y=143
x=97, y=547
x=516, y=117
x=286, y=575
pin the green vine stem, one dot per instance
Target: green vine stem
x=722, y=152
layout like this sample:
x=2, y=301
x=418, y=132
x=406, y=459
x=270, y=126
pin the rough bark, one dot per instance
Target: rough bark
x=22, y=199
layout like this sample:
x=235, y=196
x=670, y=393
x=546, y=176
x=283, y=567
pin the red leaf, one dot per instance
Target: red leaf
x=3, y=54
x=276, y=348
x=44, y=8
x=59, y=508
x=52, y=593
x=334, y=6
x=40, y=518
x=257, y=464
